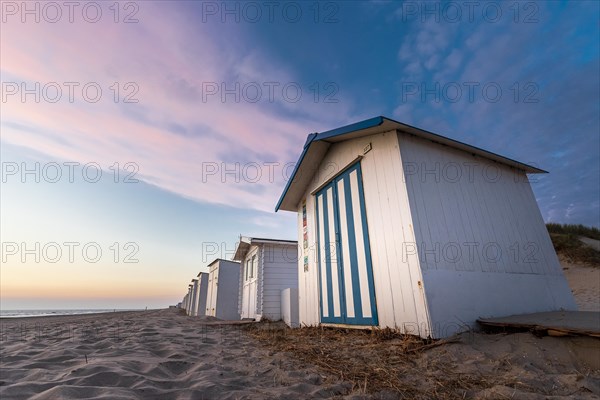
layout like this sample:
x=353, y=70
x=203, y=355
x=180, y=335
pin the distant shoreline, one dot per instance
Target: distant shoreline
x=68, y=313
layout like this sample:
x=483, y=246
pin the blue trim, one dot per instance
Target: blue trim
x=352, y=250
x=376, y=121
x=327, y=245
x=357, y=126
x=359, y=318
x=319, y=255
x=313, y=137
x=309, y=140
x=321, y=195
x=339, y=260
x=538, y=170
x=367, y=244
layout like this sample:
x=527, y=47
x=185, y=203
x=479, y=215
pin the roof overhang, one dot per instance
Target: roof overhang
x=213, y=261
x=246, y=242
x=317, y=144
x=242, y=248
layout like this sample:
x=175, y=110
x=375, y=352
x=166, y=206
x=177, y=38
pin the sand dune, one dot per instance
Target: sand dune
x=165, y=355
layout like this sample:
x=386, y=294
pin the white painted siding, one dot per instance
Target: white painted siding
x=259, y=285
x=223, y=281
x=275, y=271
x=194, y=308
x=465, y=209
x=399, y=297
x=241, y=289
x=209, y=296
x=308, y=281
x=185, y=302
x=188, y=307
x=249, y=304
x=279, y=272
x=289, y=307
x=202, y=290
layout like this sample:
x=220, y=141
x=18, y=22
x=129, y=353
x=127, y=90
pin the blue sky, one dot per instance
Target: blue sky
x=520, y=79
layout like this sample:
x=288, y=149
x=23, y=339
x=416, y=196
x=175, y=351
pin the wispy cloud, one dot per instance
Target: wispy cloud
x=176, y=132
x=547, y=113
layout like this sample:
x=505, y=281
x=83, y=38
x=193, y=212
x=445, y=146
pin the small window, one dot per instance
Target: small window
x=253, y=268
x=247, y=270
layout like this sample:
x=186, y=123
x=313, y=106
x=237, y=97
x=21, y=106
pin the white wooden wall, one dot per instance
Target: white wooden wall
x=399, y=295
x=260, y=273
x=492, y=205
x=223, y=284
x=211, y=293
x=194, y=305
x=289, y=307
x=279, y=272
x=253, y=251
x=202, y=290
x=241, y=287
x=188, y=307
x=276, y=270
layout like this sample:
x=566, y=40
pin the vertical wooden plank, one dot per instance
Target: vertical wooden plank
x=345, y=246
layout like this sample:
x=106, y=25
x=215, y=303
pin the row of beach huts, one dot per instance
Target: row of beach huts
x=397, y=227
x=260, y=282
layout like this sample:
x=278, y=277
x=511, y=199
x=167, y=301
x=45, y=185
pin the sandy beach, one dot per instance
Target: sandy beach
x=165, y=355
x=584, y=281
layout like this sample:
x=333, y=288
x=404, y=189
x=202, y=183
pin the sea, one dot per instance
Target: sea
x=46, y=313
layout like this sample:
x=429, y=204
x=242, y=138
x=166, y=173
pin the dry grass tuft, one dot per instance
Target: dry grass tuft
x=373, y=360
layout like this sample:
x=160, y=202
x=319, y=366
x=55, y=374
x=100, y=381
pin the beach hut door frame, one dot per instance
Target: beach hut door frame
x=250, y=284
x=346, y=290
x=209, y=296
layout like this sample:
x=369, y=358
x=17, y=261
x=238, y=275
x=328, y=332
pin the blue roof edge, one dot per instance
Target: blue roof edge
x=357, y=126
x=371, y=123
x=539, y=170
x=313, y=137
x=309, y=140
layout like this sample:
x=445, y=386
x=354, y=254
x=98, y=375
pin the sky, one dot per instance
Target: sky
x=140, y=139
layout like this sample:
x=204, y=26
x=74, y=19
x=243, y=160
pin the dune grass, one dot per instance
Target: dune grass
x=565, y=239
x=576, y=230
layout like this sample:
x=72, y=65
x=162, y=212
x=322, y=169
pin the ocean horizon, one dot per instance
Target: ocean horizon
x=51, y=312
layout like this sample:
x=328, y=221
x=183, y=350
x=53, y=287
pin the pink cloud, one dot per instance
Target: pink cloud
x=168, y=59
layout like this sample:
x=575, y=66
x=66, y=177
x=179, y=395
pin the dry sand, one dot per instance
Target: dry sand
x=584, y=281
x=166, y=355
x=141, y=355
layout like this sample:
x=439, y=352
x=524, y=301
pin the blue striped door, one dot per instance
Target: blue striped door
x=347, y=294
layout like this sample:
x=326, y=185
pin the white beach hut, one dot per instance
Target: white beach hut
x=194, y=302
x=267, y=266
x=184, y=302
x=188, y=305
x=223, y=284
x=408, y=229
x=202, y=289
